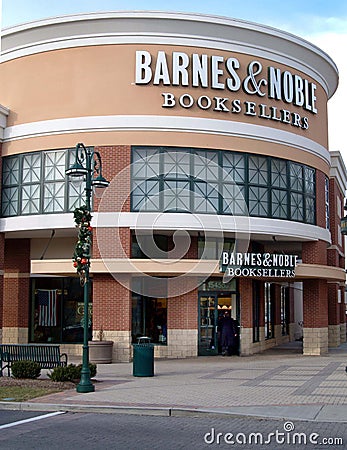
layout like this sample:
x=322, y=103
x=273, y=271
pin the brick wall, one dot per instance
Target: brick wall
x=315, y=303
x=111, y=243
x=246, y=296
x=178, y=248
x=192, y=253
x=333, y=211
x=16, y=283
x=333, y=306
x=314, y=252
x=342, y=306
x=333, y=257
x=276, y=292
x=335, y=196
x=183, y=308
x=111, y=303
x=320, y=199
x=116, y=169
x=291, y=304
x=2, y=261
x=2, y=257
x=262, y=305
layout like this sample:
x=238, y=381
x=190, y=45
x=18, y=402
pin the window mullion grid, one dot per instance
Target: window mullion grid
x=307, y=196
x=303, y=193
x=289, y=191
x=270, y=183
x=304, y=206
x=280, y=190
x=67, y=184
x=315, y=196
x=285, y=193
x=20, y=184
x=299, y=192
x=11, y=186
x=289, y=199
x=143, y=183
x=132, y=181
x=191, y=179
x=259, y=186
x=220, y=182
x=162, y=152
x=42, y=184
x=246, y=181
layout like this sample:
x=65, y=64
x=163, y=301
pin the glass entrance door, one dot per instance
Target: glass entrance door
x=212, y=306
x=208, y=321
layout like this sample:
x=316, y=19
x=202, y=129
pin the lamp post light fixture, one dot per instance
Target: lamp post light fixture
x=87, y=166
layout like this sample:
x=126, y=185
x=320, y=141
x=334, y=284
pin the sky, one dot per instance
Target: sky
x=322, y=22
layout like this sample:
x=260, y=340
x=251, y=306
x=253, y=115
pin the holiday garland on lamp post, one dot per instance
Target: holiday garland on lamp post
x=87, y=165
x=81, y=256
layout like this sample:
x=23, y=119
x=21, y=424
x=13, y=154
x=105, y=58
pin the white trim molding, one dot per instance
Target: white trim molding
x=338, y=170
x=4, y=112
x=243, y=226
x=171, y=28
x=179, y=124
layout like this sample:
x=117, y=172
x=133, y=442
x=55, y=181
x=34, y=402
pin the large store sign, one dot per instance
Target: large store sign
x=268, y=84
x=268, y=265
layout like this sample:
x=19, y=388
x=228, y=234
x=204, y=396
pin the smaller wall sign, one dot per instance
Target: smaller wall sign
x=267, y=265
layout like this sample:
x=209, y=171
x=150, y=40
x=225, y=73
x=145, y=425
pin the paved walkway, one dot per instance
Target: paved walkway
x=278, y=384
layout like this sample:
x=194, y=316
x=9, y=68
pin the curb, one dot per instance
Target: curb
x=167, y=411
x=104, y=409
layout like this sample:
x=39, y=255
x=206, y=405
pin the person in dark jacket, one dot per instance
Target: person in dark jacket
x=228, y=334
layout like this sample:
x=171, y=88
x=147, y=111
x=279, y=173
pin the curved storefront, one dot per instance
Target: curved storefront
x=224, y=199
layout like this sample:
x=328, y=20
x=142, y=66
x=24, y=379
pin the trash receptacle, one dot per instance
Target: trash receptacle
x=143, y=358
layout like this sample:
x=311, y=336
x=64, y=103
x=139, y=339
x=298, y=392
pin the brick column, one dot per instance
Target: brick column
x=314, y=252
x=246, y=306
x=315, y=300
x=342, y=306
x=320, y=199
x=334, y=315
x=2, y=256
x=262, y=314
x=276, y=298
x=292, y=324
x=112, y=313
x=111, y=243
x=182, y=319
x=15, y=320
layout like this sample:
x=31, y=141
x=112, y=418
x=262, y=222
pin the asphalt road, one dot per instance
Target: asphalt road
x=121, y=431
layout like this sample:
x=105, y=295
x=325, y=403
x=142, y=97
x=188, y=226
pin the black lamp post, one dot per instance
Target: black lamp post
x=87, y=166
x=344, y=221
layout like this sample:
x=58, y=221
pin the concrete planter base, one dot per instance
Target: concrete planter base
x=100, y=352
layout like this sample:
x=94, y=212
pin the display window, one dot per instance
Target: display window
x=149, y=319
x=57, y=310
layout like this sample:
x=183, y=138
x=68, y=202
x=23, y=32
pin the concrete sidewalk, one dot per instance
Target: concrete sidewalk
x=278, y=384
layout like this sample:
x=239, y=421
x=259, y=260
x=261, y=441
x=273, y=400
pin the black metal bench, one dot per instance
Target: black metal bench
x=47, y=355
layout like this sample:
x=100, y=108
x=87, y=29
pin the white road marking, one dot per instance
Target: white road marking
x=32, y=419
